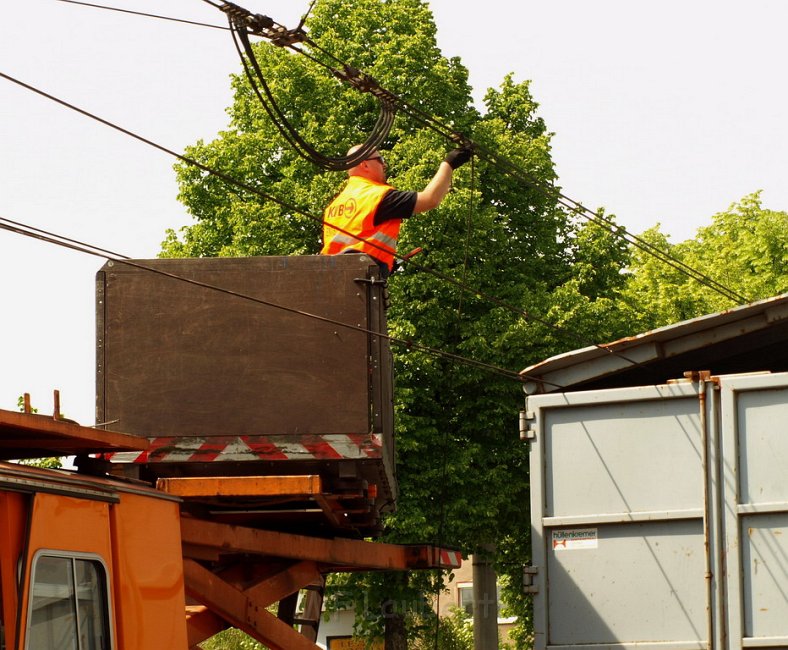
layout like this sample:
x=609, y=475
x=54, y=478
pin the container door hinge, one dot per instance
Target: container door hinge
x=529, y=577
x=526, y=433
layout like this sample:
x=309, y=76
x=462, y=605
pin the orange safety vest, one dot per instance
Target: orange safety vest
x=353, y=210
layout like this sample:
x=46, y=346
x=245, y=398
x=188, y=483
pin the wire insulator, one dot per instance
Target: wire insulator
x=287, y=37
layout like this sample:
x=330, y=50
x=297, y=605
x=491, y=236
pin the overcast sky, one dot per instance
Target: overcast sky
x=662, y=112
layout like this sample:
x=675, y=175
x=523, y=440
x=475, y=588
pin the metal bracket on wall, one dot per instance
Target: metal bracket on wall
x=529, y=585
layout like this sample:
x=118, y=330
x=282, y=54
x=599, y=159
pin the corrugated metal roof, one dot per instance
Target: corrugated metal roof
x=750, y=338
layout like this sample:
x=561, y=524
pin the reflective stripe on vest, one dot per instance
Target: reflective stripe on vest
x=353, y=210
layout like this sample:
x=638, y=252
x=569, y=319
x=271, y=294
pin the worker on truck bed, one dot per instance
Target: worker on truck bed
x=370, y=212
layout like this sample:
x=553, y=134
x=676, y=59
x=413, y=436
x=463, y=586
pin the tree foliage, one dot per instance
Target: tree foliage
x=231, y=639
x=745, y=249
x=463, y=473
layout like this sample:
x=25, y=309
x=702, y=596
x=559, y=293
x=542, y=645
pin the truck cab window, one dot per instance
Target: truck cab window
x=69, y=607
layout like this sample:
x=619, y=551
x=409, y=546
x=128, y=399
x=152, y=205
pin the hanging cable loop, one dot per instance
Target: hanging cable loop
x=242, y=24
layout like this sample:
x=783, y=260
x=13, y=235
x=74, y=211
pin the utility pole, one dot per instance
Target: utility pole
x=485, y=600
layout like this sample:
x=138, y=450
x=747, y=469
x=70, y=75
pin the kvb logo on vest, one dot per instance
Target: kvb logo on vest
x=344, y=210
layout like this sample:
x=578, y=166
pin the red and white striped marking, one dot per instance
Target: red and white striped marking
x=450, y=559
x=251, y=448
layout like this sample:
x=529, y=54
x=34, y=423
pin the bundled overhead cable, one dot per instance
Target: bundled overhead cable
x=242, y=24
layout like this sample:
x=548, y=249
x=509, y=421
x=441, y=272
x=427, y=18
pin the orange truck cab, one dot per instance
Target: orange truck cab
x=88, y=563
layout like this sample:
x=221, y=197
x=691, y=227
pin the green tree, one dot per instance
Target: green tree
x=463, y=474
x=745, y=249
x=231, y=639
x=454, y=632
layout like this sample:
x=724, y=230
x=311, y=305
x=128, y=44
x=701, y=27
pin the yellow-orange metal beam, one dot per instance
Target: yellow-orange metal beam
x=227, y=538
x=283, y=584
x=239, y=610
x=241, y=486
x=207, y=539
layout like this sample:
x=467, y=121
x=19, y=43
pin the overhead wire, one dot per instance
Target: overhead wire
x=615, y=229
x=96, y=251
x=229, y=180
x=146, y=15
x=517, y=171
x=235, y=183
x=306, y=15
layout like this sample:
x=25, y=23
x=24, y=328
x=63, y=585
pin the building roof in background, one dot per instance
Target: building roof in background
x=750, y=338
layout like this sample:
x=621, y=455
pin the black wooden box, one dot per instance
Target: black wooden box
x=274, y=361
